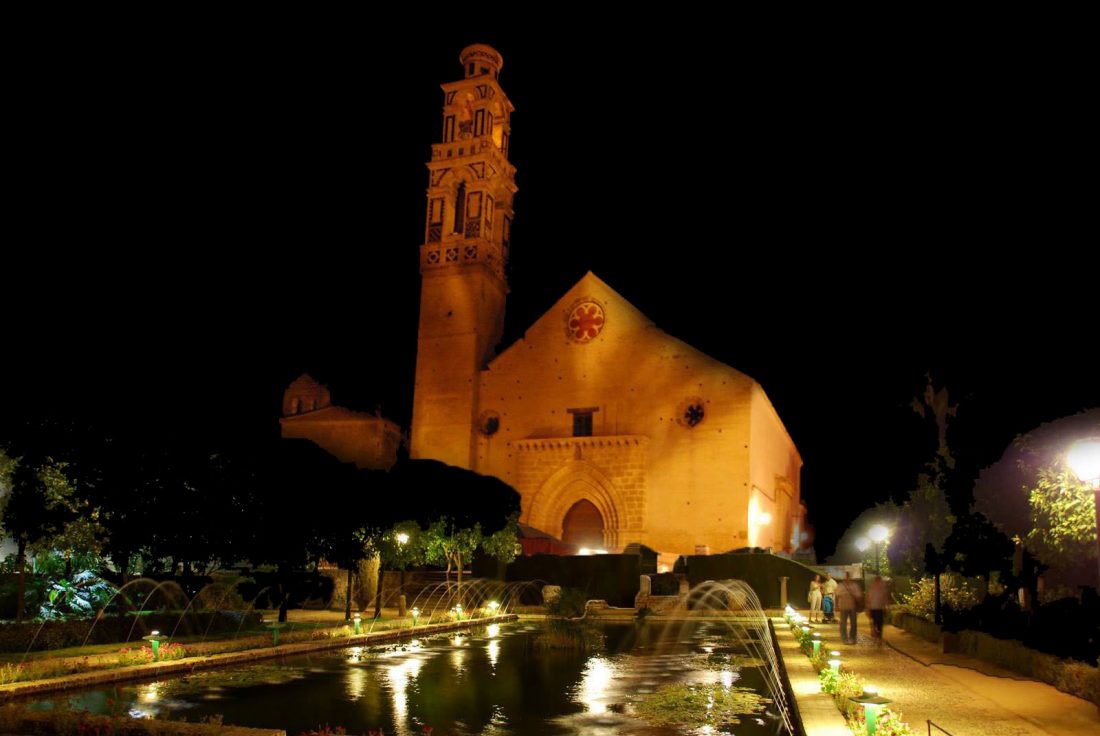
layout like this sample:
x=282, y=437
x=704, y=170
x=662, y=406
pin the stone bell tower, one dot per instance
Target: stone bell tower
x=462, y=261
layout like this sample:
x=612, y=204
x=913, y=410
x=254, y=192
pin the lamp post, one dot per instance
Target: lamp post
x=872, y=702
x=1084, y=460
x=878, y=534
x=402, y=540
x=862, y=544
x=154, y=640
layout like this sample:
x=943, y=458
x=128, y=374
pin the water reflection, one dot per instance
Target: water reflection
x=147, y=697
x=456, y=685
x=401, y=677
x=592, y=692
x=356, y=682
x=494, y=654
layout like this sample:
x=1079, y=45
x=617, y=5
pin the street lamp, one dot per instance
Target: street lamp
x=878, y=534
x=1084, y=460
x=402, y=540
x=863, y=544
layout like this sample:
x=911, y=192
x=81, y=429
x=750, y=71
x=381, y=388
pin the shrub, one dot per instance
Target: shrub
x=16, y=637
x=568, y=636
x=955, y=593
x=570, y=604
x=665, y=583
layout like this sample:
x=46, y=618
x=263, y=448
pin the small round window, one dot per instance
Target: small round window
x=691, y=412
x=489, y=423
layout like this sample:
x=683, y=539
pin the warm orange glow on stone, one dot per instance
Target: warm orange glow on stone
x=685, y=453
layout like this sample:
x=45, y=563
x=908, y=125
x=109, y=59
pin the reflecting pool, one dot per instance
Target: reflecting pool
x=520, y=679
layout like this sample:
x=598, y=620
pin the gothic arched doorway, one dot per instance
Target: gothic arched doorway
x=583, y=526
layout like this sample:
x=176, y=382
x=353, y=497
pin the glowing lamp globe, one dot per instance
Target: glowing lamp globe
x=878, y=533
x=1084, y=460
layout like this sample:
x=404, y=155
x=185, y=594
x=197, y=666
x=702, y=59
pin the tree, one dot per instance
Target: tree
x=400, y=547
x=288, y=488
x=350, y=537
x=1063, y=518
x=977, y=548
x=925, y=518
x=452, y=545
x=36, y=509
x=502, y=545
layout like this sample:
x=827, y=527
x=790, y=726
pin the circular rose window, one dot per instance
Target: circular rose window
x=585, y=320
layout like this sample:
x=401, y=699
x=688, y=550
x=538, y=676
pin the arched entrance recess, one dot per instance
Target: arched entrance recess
x=577, y=481
x=583, y=526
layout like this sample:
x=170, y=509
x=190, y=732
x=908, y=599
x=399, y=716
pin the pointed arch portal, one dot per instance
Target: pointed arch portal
x=583, y=525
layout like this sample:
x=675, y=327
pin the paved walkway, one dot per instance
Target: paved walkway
x=964, y=696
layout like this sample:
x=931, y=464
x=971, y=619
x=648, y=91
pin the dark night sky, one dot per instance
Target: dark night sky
x=199, y=221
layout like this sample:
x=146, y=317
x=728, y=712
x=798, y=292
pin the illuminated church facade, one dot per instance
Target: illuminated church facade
x=612, y=431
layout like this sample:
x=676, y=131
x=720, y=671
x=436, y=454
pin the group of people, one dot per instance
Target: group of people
x=847, y=599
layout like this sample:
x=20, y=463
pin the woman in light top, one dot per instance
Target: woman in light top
x=815, y=599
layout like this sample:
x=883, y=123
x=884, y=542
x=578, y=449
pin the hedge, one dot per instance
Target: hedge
x=16, y=637
x=759, y=569
x=613, y=578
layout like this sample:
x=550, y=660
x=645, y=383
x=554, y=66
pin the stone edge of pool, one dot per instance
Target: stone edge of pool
x=82, y=680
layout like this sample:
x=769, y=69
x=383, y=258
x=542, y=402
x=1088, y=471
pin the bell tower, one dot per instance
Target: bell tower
x=467, y=233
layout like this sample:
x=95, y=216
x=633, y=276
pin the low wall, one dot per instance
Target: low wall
x=916, y=625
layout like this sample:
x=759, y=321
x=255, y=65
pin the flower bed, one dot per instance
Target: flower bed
x=843, y=686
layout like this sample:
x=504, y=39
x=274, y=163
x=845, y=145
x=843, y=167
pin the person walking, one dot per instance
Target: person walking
x=849, y=601
x=876, y=605
x=815, y=599
x=828, y=598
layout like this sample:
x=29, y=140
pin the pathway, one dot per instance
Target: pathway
x=964, y=696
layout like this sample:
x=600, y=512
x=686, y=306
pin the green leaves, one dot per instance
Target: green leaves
x=1063, y=517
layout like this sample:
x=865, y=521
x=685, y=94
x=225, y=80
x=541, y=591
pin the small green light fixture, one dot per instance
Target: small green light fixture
x=493, y=606
x=415, y=614
x=154, y=640
x=834, y=662
x=358, y=619
x=872, y=703
x=817, y=643
x=275, y=626
x=458, y=611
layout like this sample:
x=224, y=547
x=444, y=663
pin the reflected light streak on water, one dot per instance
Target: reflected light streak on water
x=400, y=676
x=598, y=674
x=494, y=653
x=356, y=683
x=150, y=692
